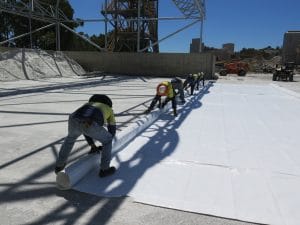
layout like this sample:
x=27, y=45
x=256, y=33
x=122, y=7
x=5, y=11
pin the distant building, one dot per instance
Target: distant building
x=195, y=45
x=224, y=53
x=291, y=47
x=228, y=47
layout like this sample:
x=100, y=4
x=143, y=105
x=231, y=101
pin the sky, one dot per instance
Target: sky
x=247, y=24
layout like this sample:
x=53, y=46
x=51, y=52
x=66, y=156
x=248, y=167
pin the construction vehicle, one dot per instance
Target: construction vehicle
x=285, y=72
x=235, y=67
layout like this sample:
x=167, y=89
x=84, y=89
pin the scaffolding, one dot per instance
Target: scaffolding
x=132, y=28
x=134, y=22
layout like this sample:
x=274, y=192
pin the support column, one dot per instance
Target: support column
x=201, y=34
x=139, y=27
x=105, y=24
x=57, y=26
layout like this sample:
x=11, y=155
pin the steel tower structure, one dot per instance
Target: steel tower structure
x=134, y=23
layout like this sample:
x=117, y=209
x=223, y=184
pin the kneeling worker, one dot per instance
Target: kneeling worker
x=89, y=120
x=164, y=89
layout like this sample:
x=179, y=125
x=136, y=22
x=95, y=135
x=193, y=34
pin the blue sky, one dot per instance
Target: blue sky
x=247, y=24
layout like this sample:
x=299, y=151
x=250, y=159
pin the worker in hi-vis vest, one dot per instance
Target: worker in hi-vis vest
x=164, y=89
x=102, y=99
x=177, y=84
x=89, y=120
x=189, y=83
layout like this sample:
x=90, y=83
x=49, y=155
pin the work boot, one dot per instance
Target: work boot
x=175, y=113
x=163, y=105
x=59, y=168
x=95, y=149
x=110, y=171
x=147, y=111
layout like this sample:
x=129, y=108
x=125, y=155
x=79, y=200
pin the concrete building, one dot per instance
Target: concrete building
x=194, y=46
x=291, y=47
x=224, y=53
x=228, y=47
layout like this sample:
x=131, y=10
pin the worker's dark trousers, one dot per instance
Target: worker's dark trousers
x=179, y=87
x=95, y=131
x=157, y=98
x=192, y=89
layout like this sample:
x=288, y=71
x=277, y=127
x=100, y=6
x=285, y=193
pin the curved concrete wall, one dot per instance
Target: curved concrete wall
x=154, y=64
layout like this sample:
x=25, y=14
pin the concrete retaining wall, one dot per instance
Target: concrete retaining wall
x=145, y=64
x=157, y=64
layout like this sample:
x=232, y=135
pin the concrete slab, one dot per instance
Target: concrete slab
x=32, y=127
x=222, y=155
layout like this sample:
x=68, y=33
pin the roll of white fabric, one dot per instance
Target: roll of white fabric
x=75, y=172
x=124, y=137
x=65, y=179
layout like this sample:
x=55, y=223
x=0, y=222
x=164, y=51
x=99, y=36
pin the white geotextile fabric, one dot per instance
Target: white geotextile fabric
x=67, y=178
x=233, y=152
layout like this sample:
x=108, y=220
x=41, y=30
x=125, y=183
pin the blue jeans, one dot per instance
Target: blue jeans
x=95, y=131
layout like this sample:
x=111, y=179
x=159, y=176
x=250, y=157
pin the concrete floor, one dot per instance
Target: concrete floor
x=30, y=144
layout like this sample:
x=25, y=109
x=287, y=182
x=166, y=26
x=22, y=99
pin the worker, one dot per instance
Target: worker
x=102, y=99
x=164, y=88
x=189, y=83
x=177, y=84
x=199, y=77
x=89, y=120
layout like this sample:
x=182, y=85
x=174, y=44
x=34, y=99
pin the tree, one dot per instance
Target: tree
x=15, y=25
x=5, y=29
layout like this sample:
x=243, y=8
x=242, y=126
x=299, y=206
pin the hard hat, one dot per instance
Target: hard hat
x=162, y=89
x=102, y=99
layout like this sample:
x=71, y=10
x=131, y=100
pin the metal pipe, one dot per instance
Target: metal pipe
x=170, y=35
x=106, y=24
x=139, y=27
x=30, y=34
x=30, y=24
x=201, y=34
x=22, y=35
x=83, y=37
x=135, y=19
x=57, y=26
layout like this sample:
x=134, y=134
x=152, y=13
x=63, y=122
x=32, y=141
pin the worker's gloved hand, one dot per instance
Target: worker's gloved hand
x=147, y=111
x=112, y=129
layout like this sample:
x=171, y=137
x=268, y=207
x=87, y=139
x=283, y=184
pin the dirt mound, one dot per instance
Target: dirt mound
x=36, y=64
x=259, y=64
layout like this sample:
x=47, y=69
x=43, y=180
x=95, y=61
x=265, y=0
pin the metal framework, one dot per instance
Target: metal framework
x=134, y=22
x=131, y=29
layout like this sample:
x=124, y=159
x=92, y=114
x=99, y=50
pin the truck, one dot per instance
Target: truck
x=284, y=72
x=234, y=67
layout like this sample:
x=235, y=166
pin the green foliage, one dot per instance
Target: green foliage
x=13, y=25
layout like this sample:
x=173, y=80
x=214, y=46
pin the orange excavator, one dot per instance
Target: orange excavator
x=234, y=67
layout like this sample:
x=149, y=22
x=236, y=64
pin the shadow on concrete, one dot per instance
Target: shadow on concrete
x=79, y=204
x=33, y=124
x=70, y=85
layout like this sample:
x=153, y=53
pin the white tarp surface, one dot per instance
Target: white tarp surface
x=233, y=152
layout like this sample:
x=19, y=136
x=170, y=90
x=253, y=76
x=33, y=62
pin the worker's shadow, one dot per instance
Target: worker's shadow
x=150, y=148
